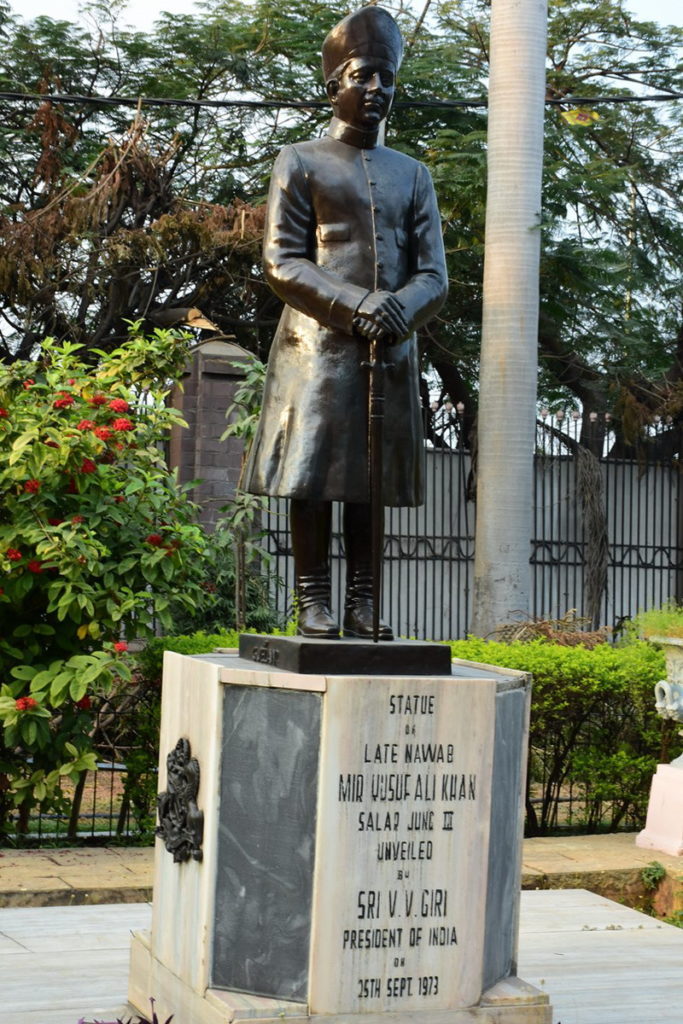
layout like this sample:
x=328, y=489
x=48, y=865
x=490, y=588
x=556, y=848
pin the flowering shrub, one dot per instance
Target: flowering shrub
x=96, y=541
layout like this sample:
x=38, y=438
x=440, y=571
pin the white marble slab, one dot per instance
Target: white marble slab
x=9, y=946
x=183, y=893
x=403, y=830
x=84, y=928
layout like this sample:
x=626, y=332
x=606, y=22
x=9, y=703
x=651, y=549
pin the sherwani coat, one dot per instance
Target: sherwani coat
x=344, y=219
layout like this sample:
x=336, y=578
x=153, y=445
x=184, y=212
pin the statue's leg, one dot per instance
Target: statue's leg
x=358, y=603
x=311, y=524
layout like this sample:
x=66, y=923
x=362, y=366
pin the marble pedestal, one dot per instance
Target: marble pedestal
x=361, y=853
x=664, y=825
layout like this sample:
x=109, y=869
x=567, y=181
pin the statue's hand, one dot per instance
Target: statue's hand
x=371, y=330
x=385, y=312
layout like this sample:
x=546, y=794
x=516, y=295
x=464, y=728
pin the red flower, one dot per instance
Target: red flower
x=120, y=646
x=122, y=424
x=88, y=466
x=3, y=414
x=155, y=539
x=71, y=381
x=98, y=400
x=104, y=433
x=35, y=566
x=85, y=425
x=119, y=405
x=84, y=703
x=55, y=522
x=26, y=703
x=32, y=486
x=78, y=519
x=14, y=555
x=28, y=382
x=119, y=498
x=64, y=402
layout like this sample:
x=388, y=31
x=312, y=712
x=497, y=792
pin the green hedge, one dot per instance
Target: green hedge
x=150, y=660
x=594, y=731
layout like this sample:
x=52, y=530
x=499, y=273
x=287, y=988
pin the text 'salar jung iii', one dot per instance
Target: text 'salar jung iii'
x=353, y=247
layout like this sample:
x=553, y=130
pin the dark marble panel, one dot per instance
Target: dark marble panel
x=505, y=845
x=266, y=841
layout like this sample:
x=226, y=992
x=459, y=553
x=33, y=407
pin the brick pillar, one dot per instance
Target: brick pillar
x=209, y=385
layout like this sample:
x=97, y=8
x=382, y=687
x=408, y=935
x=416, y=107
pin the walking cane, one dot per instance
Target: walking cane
x=376, y=367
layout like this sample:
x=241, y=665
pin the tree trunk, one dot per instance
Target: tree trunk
x=507, y=403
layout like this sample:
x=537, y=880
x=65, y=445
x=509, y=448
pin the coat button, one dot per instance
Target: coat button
x=380, y=238
x=380, y=265
x=376, y=209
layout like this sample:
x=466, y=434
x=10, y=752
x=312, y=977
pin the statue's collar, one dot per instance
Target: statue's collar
x=352, y=136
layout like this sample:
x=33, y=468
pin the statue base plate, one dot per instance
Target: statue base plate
x=347, y=656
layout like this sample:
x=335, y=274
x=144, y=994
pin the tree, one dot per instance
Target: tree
x=610, y=329
x=502, y=578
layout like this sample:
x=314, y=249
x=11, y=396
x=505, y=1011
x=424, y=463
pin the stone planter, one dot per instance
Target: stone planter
x=664, y=826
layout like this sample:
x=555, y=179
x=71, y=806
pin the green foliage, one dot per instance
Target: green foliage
x=660, y=622
x=102, y=222
x=140, y=754
x=242, y=516
x=220, y=581
x=245, y=411
x=593, y=727
x=97, y=540
x=652, y=874
x=150, y=660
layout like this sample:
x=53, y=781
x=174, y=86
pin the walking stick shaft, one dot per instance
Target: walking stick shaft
x=375, y=472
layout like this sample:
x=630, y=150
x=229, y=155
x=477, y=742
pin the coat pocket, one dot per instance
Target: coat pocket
x=334, y=232
x=401, y=238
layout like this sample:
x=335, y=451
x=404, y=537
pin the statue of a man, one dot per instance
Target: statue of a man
x=353, y=247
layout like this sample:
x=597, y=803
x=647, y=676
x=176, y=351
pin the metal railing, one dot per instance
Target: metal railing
x=429, y=551
x=429, y=555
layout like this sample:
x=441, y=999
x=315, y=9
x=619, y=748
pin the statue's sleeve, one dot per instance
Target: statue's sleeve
x=425, y=291
x=288, y=244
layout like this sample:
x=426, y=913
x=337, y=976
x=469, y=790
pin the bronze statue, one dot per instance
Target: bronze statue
x=353, y=246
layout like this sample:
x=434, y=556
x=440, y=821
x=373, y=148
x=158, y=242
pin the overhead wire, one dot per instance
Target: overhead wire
x=478, y=101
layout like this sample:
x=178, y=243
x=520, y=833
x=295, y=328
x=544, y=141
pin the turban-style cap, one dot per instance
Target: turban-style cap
x=368, y=32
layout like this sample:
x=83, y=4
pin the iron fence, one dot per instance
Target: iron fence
x=428, y=571
x=429, y=551
x=118, y=801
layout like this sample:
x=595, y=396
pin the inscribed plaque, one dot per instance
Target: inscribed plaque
x=402, y=847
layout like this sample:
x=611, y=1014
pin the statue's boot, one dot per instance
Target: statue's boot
x=311, y=523
x=359, y=604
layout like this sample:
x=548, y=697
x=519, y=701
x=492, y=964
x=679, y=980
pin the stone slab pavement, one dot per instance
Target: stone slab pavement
x=609, y=865
x=599, y=962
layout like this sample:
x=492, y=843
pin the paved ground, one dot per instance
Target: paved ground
x=600, y=963
x=609, y=865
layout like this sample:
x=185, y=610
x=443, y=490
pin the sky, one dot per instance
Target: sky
x=141, y=14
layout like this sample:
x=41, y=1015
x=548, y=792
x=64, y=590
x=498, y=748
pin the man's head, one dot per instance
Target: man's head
x=361, y=56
